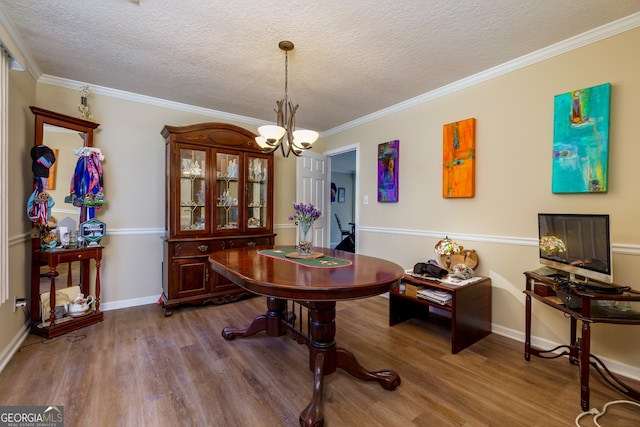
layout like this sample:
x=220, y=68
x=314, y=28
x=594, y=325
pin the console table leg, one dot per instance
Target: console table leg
x=585, y=354
x=574, y=356
x=312, y=415
x=97, y=303
x=527, y=328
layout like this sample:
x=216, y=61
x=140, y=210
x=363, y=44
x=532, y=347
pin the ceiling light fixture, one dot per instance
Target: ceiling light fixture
x=283, y=134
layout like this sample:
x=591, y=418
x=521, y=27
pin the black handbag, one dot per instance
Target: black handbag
x=428, y=269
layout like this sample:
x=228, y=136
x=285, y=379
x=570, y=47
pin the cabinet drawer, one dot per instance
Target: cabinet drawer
x=250, y=241
x=68, y=255
x=197, y=248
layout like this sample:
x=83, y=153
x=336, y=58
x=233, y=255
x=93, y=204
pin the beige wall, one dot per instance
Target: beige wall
x=514, y=116
x=514, y=137
x=22, y=91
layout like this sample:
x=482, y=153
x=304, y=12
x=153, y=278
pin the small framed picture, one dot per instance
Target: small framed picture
x=340, y=194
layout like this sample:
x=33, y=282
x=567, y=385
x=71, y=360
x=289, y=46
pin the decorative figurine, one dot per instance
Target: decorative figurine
x=84, y=105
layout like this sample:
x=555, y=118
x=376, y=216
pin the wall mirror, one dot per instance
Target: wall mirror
x=63, y=134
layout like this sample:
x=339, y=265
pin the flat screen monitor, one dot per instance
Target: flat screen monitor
x=576, y=244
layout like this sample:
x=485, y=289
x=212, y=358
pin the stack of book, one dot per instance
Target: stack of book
x=412, y=290
x=440, y=297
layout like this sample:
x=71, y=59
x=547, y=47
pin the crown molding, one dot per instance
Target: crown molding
x=149, y=100
x=586, y=38
x=589, y=37
x=16, y=46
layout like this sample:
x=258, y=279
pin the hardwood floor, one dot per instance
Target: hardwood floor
x=138, y=368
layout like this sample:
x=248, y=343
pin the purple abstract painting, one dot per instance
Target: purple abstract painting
x=388, y=164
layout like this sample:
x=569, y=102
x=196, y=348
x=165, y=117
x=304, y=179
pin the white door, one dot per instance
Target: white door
x=313, y=183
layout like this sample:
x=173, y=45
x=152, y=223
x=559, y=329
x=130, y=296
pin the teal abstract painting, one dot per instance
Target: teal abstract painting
x=581, y=140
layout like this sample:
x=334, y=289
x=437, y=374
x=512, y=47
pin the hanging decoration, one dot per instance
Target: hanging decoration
x=40, y=202
x=87, y=187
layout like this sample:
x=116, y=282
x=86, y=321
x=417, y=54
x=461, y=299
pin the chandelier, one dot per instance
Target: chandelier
x=283, y=134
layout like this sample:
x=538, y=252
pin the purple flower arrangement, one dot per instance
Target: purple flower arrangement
x=305, y=213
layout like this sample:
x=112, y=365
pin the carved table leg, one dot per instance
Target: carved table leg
x=312, y=414
x=52, y=293
x=324, y=356
x=388, y=379
x=269, y=322
x=97, y=303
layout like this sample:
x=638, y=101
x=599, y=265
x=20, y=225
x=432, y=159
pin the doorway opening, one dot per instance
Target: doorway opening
x=343, y=220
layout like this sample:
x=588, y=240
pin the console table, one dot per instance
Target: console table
x=590, y=309
x=52, y=258
x=469, y=309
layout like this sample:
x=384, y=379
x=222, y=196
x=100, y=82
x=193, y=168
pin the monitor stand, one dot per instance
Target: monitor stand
x=546, y=271
x=578, y=279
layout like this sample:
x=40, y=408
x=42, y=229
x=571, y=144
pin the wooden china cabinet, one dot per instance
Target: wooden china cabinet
x=219, y=195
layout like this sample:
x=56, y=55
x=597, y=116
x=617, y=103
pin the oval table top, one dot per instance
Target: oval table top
x=274, y=277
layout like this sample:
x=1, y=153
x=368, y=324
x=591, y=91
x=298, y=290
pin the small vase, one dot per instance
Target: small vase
x=305, y=239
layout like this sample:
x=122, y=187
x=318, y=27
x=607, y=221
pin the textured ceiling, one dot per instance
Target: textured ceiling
x=352, y=58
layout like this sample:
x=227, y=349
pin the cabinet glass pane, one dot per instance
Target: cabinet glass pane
x=227, y=194
x=257, y=193
x=192, y=189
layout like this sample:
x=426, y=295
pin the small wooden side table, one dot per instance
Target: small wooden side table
x=52, y=258
x=469, y=310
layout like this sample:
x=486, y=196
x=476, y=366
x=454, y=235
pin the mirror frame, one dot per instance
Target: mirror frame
x=61, y=120
x=45, y=117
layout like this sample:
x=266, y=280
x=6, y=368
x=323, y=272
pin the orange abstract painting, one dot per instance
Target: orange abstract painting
x=459, y=159
x=51, y=181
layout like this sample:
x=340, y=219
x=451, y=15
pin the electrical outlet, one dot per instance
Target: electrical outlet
x=19, y=302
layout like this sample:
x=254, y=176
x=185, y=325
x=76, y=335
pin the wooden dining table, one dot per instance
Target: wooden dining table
x=316, y=285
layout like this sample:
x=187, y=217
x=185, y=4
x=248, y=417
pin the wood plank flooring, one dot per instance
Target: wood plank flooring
x=138, y=368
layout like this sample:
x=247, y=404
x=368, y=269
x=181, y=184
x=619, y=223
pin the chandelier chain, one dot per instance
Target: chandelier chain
x=286, y=76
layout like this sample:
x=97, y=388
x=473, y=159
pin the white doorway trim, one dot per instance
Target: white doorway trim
x=341, y=150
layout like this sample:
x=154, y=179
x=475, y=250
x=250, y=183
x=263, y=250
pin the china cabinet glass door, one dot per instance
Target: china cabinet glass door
x=193, y=200
x=228, y=196
x=257, y=196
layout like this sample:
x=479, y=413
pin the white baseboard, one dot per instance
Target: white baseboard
x=134, y=302
x=13, y=346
